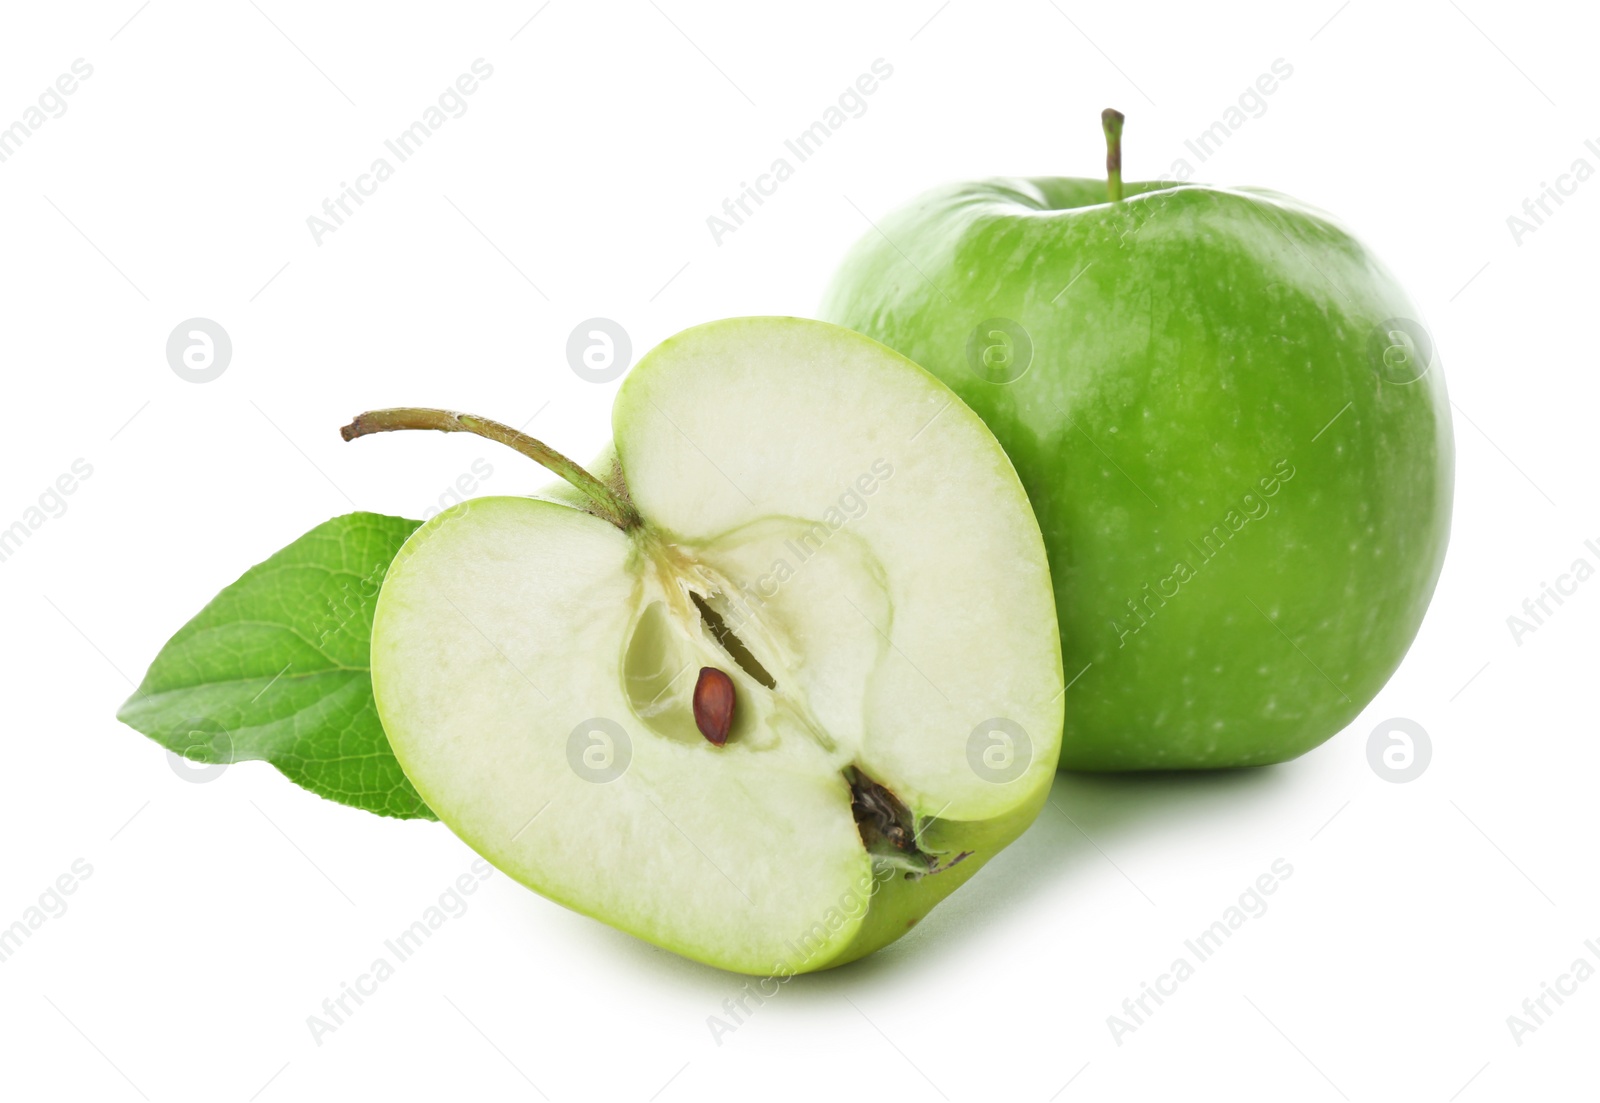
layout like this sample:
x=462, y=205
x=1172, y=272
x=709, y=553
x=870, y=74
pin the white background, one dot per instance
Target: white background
x=219, y=916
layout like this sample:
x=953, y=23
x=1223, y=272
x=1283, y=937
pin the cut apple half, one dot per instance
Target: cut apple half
x=799, y=540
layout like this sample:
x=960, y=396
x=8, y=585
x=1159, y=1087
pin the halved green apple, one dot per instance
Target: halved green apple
x=792, y=512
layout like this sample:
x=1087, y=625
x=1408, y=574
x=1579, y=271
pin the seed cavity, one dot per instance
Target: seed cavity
x=731, y=643
x=713, y=704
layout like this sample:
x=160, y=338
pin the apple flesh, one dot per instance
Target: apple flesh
x=1232, y=430
x=821, y=521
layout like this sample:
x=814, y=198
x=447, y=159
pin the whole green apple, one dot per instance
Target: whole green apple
x=1232, y=428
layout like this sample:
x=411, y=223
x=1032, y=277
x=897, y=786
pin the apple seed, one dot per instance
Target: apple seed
x=713, y=704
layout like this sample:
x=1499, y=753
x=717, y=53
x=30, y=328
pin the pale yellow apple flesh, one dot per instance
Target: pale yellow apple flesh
x=826, y=523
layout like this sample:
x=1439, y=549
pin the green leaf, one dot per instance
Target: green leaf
x=277, y=668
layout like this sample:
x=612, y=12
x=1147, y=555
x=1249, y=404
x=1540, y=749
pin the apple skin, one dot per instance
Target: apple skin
x=1244, y=488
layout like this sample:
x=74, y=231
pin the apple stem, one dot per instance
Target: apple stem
x=1111, y=123
x=607, y=503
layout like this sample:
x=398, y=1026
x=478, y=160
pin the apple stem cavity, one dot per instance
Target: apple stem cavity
x=606, y=503
x=1111, y=123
